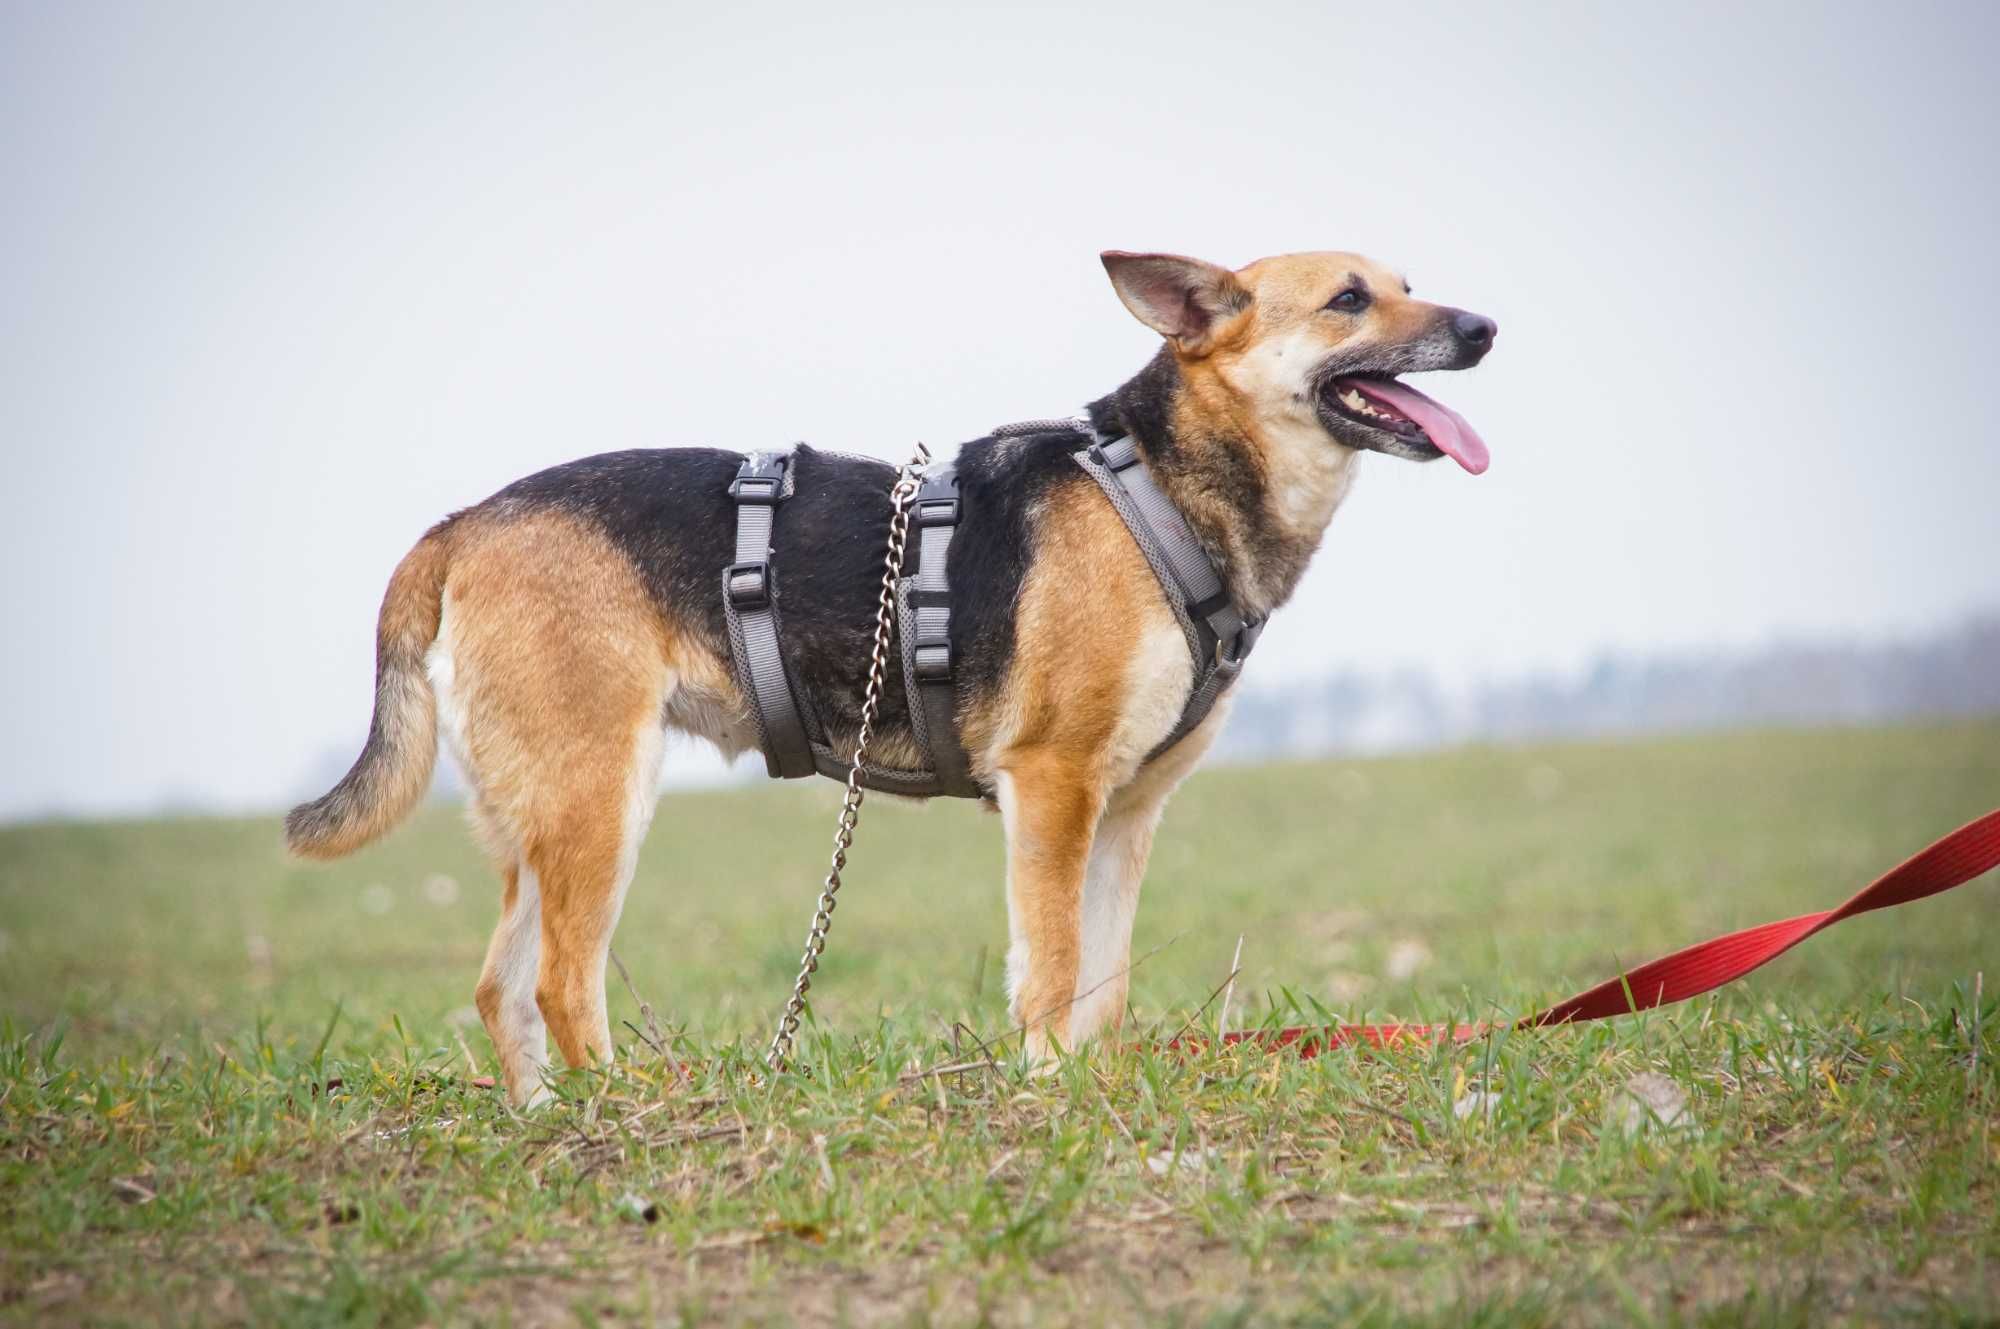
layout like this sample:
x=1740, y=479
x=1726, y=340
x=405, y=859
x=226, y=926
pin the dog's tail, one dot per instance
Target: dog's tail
x=394, y=768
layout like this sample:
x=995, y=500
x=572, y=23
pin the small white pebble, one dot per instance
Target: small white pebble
x=1478, y=1101
x=1187, y=1161
x=636, y=1208
x=1405, y=959
x=1344, y=986
x=257, y=949
x=1652, y=1101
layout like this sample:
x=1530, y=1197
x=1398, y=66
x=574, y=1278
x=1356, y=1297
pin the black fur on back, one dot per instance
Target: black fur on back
x=670, y=512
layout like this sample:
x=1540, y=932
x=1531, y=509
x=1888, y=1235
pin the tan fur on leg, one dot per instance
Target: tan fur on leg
x=1049, y=809
x=553, y=668
x=581, y=898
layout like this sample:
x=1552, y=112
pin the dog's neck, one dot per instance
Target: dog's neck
x=1259, y=532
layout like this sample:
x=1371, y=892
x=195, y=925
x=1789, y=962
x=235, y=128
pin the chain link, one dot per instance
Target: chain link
x=905, y=488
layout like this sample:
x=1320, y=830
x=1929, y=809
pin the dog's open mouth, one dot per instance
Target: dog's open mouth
x=1422, y=427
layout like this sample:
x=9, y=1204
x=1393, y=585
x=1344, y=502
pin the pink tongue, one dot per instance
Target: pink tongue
x=1446, y=427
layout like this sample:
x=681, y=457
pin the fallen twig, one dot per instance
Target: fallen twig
x=1229, y=993
x=1973, y=1089
x=654, y=1038
x=983, y=1064
x=1201, y=1009
x=1119, y=1121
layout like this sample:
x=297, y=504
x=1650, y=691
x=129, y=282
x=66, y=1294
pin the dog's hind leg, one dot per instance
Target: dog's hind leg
x=505, y=996
x=553, y=667
x=506, y=991
x=584, y=859
x=565, y=888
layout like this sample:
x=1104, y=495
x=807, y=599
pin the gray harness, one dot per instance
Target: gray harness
x=793, y=739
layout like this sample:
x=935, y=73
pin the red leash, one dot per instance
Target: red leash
x=1967, y=852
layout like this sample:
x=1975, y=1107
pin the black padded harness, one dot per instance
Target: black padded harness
x=793, y=740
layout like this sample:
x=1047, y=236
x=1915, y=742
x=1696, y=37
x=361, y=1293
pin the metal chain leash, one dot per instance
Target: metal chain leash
x=907, y=483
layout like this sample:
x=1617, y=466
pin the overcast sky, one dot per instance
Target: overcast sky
x=281, y=285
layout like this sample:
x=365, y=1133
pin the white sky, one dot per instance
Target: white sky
x=280, y=285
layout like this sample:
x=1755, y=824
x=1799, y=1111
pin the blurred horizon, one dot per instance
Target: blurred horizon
x=1356, y=714
x=280, y=287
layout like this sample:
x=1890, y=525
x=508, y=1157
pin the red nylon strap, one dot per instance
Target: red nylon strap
x=1967, y=852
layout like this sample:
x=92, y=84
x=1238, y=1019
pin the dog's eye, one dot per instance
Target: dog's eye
x=1349, y=301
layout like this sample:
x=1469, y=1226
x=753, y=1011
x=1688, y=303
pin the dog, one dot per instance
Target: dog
x=557, y=631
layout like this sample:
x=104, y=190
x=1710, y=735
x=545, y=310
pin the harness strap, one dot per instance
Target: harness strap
x=929, y=671
x=750, y=607
x=1220, y=638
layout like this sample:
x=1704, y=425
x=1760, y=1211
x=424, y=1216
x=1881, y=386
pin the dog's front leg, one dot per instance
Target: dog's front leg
x=1051, y=806
x=1110, y=899
x=1118, y=854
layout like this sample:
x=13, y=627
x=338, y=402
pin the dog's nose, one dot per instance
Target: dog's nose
x=1475, y=330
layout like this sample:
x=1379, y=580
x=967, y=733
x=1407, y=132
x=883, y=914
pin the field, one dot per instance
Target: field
x=236, y=1088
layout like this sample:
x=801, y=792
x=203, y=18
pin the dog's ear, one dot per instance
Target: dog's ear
x=1180, y=298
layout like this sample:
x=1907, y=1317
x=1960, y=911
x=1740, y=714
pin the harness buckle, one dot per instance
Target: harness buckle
x=933, y=662
x=760, y=480
x=1236, y=651
x=937, y=511
x=1128, y=455
x=748, y=585
x=762, y=490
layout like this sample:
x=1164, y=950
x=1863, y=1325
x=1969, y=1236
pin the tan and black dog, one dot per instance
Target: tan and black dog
x=561, y=627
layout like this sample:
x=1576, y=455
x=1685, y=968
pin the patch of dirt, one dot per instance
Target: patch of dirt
x=1151, y=1270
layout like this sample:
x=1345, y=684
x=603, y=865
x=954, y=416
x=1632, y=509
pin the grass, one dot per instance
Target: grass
x=233, y=1088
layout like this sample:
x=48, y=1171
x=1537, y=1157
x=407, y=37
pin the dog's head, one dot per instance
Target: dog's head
x=1313, y=341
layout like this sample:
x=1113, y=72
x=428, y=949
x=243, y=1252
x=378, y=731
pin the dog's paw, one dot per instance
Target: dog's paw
x=1041, y=1053
x=529, y=1096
